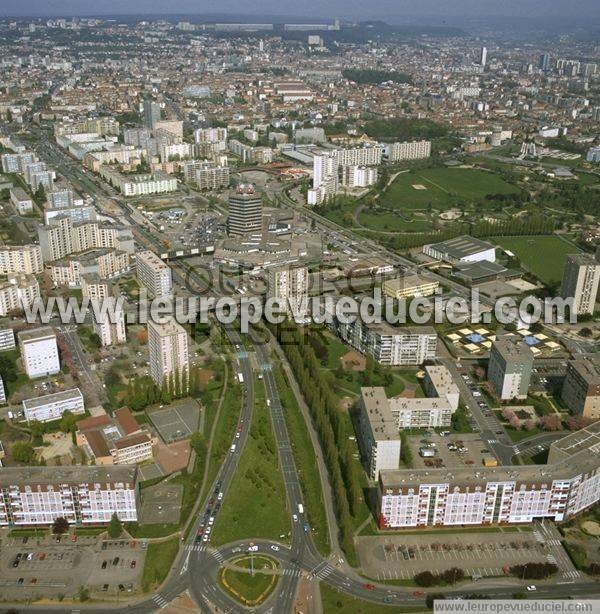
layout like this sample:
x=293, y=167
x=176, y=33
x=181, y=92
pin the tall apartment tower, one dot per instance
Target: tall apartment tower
x=580, y=282
x=151, y=114
x=153, y=274
x=168, y=345
x=289, y=284
x=324, y=167
x=245, y=211
x=509, y=369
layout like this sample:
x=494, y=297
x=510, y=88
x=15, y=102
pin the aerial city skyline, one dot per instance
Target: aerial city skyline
x=297, y=313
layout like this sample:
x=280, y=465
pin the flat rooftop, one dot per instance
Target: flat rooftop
x=35, y=334
x=512, y=348
x=580, y=455
x=377, y=408
x=588, y=367
x=24, y=476
x=463, y=246
x=56, y=397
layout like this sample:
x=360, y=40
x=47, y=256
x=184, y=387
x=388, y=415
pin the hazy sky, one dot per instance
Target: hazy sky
x=310, y=8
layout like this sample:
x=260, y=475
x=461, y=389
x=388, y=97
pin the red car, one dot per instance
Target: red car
x=369, y=587
x=418, y=593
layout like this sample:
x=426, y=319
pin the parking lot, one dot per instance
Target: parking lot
x=44, y=567
x=478, y=554
x=455, y=450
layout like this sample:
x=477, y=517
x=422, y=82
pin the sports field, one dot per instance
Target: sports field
x=442, y=188
x=543, y=256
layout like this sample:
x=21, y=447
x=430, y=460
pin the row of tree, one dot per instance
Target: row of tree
x=323, y=405
x=450, y=576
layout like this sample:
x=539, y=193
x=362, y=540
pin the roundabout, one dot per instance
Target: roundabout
x=249, y=579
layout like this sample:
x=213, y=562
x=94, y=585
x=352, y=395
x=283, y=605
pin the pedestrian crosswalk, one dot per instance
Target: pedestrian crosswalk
x=492, y=441
x=322, y=570
x=291, y=571
x=195, y=547
x=217, y=555
x=571, y=574
x=551, y=559
x=160, y=601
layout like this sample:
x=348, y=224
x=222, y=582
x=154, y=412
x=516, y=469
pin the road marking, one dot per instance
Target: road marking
x=160, y=601
x=185, y=564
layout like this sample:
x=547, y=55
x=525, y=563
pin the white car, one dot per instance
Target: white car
x=253, y=549
x=294, y=518
x=219, y=496
x=275, y=548
x=532, y=588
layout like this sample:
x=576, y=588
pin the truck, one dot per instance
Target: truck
x=300, y=508
x=240, y=377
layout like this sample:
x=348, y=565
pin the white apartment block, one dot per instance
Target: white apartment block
x=378, y=434
x=394, y=346
x=53, y=406
x=39, y=351
x=568, y=484
x=63, y=237
x=82, y=495
x=289, y=285
x=328, y=189
x=168, y=345
x=7, y=339
x=154, y=274
x=438, y=382
x=16, y=163
x=104, y=263
x=21, y=200
x=110, y=328
x=359, y=176
x=175, y=151
x=206, y=174
x=325, y=166
x=210, y=135
x=139, y=185
x=93, y=287
x=132, y=450
x=360, y=156
x=581, y=278
x=17, y=259
x=17, y=293
x=2, y=392
x=250, y=154
x=123, y=154
x=509, y=368
x=411, y=150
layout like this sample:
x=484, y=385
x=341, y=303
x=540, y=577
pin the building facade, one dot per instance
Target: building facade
x=580, y=281
x=154, y=274
x=53, y=406
x=168, y=345
x=509, y=368
x=83, y=495
x=39, y=352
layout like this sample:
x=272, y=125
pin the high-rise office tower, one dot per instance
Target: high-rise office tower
x=483, y=56
x=580, y=281
x=168, y=345
x=245, y=211
x=544, y=62
x=151, y=114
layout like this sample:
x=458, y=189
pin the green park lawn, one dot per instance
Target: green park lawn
x=159, y=559
x=444, y=187
x=543, y=256
x=390, y=222
x=255, y=504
